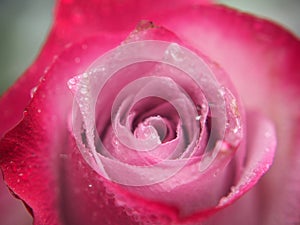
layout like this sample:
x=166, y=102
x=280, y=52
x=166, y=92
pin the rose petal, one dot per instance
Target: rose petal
x=247, y=208
x=285, y=208
x=246, y=211
x=261, y=145
x=33, y=149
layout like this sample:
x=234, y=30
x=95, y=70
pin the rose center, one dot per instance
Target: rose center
x=154, y=113
x=138, y=109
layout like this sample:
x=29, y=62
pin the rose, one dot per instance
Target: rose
x=29, y=154
x=38, y=110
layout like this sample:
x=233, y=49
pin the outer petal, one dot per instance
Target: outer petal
x=284, y=209
x=261, y=145
x=262, y=60
x=76, y=19
x=30, y=154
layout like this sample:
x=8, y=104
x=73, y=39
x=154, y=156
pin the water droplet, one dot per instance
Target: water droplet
x=233, y=189
x=235, y=130
x=223, y=201
x=201, y=107
x=63, y=156
x=198, y=117
x=83, y=90
x=32, y=92
x=68, y=45
x=77, y=18
x=39, y=110
x=216, y=172
x=268, y=134
x=175, y=52
x=85, y=75
x=77, y=60
x=46, y=69
x=84, y=46
x=42, y=79
x=72, y=81
x=115, y=142
x=222, y=91
x=55, y=57
x=100, y=69
x=90, y=185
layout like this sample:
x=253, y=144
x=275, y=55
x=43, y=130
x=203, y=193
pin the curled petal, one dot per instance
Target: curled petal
x=261, y=145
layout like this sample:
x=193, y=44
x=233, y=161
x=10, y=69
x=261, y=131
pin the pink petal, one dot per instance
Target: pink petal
x=248, y=208
x=261, y=145
x=282, y=184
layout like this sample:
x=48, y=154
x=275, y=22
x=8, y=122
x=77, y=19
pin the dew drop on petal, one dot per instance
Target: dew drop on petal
x=84, y=46
x=46, y=69
x=235, y=130
x=83, y=90
x=72, y=81
x=174, y=51
x=77, y=60
x=198, y=118
x=268, y=134
x=32, y=92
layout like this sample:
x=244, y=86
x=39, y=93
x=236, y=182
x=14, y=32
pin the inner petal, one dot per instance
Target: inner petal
x=162, y=114
x=159, y=87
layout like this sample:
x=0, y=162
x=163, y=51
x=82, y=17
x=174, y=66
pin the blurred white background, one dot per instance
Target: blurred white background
x=24, y=25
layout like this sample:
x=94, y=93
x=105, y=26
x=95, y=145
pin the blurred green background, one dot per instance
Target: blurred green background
x=24, y=25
